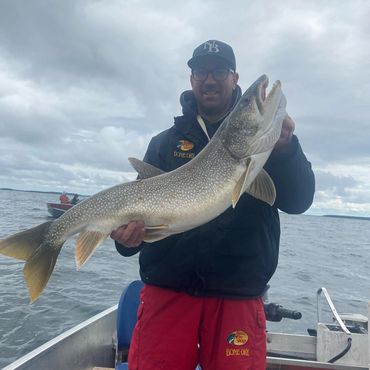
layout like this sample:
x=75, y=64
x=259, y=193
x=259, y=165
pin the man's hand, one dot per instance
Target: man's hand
x=286, y=134
x=130, y=235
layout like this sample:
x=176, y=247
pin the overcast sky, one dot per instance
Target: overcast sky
x=86, y=84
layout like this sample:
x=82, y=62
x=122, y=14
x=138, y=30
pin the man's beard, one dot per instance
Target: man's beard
x=213, y=111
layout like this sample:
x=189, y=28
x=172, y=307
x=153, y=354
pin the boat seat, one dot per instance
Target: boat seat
x=122, y=366
x=126, y=320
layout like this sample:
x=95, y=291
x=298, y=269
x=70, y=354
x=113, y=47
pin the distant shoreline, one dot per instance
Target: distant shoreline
x=43, y=192
x=344, y=216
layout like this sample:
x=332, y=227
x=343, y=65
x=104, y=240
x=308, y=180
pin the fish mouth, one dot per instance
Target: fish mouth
x=261, y=94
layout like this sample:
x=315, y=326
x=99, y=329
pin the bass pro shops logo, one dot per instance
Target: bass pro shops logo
x=184, y=147
x=238, y=339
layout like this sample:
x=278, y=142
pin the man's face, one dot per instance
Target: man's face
x=213, y=96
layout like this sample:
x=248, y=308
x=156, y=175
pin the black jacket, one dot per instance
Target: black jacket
x=234, y=255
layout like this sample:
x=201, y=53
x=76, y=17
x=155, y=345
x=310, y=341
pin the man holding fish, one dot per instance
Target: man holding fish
x=204, y=216
x=201, y=302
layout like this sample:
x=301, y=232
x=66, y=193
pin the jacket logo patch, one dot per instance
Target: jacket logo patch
x=238, y=338
x=184, y=145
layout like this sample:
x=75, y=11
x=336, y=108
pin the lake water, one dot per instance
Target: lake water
x=315, y=252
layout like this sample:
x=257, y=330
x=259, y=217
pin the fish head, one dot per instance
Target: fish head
x=255, y=123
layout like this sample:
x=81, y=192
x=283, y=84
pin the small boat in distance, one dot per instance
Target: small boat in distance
x=57, y=209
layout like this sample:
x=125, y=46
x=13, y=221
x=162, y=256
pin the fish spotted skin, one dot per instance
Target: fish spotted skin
x=169, y=203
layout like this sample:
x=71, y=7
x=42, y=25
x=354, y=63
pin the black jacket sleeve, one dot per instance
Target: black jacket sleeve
x=293, y=178
x=127, y=252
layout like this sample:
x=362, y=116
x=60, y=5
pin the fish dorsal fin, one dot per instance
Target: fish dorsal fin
x=155, y=233
x=86, y=244
x=145, y=170
x=263, y=188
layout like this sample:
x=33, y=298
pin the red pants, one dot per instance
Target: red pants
x=176, y=331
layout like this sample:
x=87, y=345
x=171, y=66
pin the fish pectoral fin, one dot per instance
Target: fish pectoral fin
x=86, y=244
x=155, y=233
x=237, y=192
x=263, y=188
x=144, y=170
x=240, y=186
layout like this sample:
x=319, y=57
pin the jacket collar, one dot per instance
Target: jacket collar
x=187, y=123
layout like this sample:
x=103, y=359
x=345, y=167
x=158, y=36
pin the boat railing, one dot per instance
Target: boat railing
x=345, y=341
x=323, y=291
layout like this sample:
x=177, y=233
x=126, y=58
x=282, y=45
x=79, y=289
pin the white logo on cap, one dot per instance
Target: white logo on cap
x=211, y=46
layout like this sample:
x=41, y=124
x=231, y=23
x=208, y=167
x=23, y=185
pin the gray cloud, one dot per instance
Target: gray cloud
x=333, y=138
x=340, y=184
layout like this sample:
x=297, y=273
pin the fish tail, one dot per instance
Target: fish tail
x=24, y=244
x=38, y=269
x=33, y=247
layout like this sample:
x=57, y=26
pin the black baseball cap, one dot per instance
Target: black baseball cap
x=215, y=48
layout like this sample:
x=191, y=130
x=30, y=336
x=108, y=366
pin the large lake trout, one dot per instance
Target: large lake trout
x=231, y=164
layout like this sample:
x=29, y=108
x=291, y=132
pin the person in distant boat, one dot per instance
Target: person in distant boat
x=64, y=198
x=75, y=199
x=202, y=297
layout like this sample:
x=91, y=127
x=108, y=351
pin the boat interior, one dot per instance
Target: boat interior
x=102, y=342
